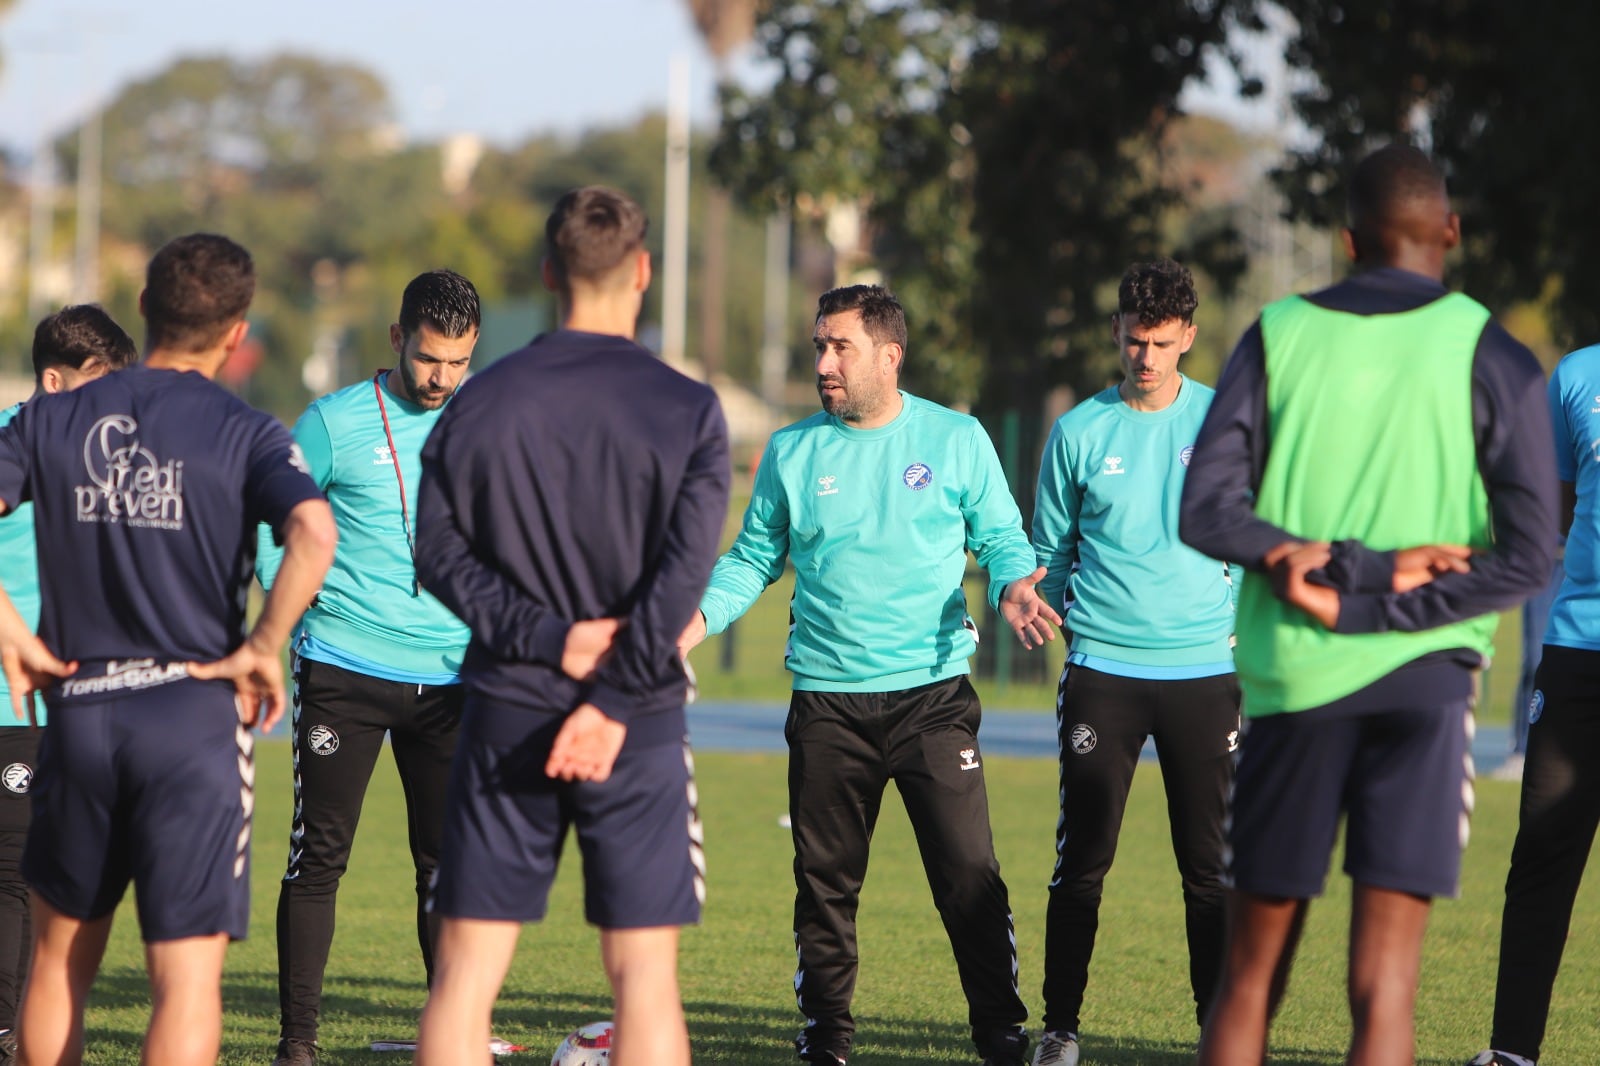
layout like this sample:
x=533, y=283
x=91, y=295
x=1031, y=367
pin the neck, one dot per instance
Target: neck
x=206, y=363
x=886, y=414
x=615, y=314
x=395, y=382
x=1151, y=401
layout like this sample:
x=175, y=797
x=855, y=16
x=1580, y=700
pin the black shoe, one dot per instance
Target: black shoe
x=1008, y=1048
x=296, y=1053
x=8, y=1047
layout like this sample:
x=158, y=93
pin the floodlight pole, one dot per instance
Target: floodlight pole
x=675, y=254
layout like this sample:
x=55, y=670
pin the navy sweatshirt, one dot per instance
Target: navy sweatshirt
x=1516, y=459
x=577, y=478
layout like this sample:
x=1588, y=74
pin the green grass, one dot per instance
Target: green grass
x=738, y=965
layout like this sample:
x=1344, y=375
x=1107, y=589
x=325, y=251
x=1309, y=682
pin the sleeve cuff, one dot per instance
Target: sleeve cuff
x=1355, y=568
x=1363, y=613
x=613, y=702
x=550, y=639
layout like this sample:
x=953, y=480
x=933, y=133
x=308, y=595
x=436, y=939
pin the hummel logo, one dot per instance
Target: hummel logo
x=827, y=488
x=1595, y=410
x=969, y=759
x=384, y=456
x=1114, y=465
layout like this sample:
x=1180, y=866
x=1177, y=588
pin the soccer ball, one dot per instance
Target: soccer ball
x=587, y=1045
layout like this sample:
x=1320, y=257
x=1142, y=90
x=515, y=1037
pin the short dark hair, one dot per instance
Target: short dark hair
x=881, y=314
x=196, y=288
x=442, y=300
x=78, y=335
x=1158, y=292
x=1388, y=181
x=591, y=231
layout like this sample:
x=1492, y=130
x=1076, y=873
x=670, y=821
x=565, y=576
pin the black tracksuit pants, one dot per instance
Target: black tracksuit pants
x=340, y=719
x=1560, y=811
x=19, y=758
x=1102, y=721
x=844, y=748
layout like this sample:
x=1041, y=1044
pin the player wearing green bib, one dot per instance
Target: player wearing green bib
x=1363, y=443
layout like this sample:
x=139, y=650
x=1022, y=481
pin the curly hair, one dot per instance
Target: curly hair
x=1158, y=292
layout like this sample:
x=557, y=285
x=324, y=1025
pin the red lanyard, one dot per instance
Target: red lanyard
x=405, y=513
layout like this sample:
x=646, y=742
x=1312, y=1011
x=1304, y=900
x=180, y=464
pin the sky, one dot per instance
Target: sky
x=503, y=70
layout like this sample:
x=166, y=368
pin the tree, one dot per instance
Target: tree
x=1493, y=91
x=1008, y=155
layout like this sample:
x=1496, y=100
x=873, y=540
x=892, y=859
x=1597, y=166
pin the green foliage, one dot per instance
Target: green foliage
x=738, y=964
x=1010, y=159
x=1493, y=91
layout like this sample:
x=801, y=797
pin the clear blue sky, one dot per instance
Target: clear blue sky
x=503, y=69
x=499, y=68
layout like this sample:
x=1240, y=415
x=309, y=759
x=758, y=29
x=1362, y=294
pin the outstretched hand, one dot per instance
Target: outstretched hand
x=1287, y=566
x=257, y=675
x=1415, y=567
x=588, y=644
x=1029, y=617
x=29, y=667
x=586, y=746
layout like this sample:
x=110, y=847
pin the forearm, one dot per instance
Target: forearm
x=309, y=541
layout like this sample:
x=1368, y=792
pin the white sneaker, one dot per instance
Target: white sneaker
x=1491, y=1057
x=1056, y=1049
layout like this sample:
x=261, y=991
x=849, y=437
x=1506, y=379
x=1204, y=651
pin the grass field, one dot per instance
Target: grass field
x=738, y=965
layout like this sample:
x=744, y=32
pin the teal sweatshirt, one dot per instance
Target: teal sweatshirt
x=370, y=615
x=19, y=573
x=1137, y=600
x=878, y=524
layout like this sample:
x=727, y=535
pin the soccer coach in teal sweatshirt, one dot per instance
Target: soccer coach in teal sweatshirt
x=876, y=500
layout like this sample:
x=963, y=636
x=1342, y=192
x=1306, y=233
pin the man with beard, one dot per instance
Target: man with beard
x=375, y=653
x=877, y=499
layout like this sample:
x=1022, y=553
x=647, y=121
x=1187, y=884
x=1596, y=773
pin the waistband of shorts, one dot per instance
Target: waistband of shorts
x=98, y=679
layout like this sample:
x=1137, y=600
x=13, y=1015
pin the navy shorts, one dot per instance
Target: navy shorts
x=1402, y=778
x=505, y=822
x=154, y=787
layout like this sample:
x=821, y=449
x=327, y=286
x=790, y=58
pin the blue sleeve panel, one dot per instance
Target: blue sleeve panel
x=1512, y=428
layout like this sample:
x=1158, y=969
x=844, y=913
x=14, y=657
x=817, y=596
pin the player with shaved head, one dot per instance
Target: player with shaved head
x=1364, y=441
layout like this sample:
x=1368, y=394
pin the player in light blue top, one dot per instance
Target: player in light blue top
x=1150, y=625
x=72, y=347
x=375, y=653
x=1560, y=806
x=877, y=501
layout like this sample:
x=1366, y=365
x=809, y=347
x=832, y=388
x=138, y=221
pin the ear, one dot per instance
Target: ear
x=52, y=381
x=397, y=339
x=1188, y=338
x=547, y=274
x=1116, y=328
x=236, y=335
x=1452, y=232
x=141, y=303
x=642, y=272
x=1347, y=237
x=894, y=355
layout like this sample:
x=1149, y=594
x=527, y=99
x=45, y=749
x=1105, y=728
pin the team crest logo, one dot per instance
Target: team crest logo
x=969, y=757
x=1185, y=455
x=1233, y=740
x=1082, y=740
x=322, y=740
x=1535, y=707
x=917, y=477
x=17, y=777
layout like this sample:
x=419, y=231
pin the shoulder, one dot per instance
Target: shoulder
x=1576, y=368
x=1502, y=361
x=934, y=414
x=1087, y=416
x=9, y=413
x=330, y=407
